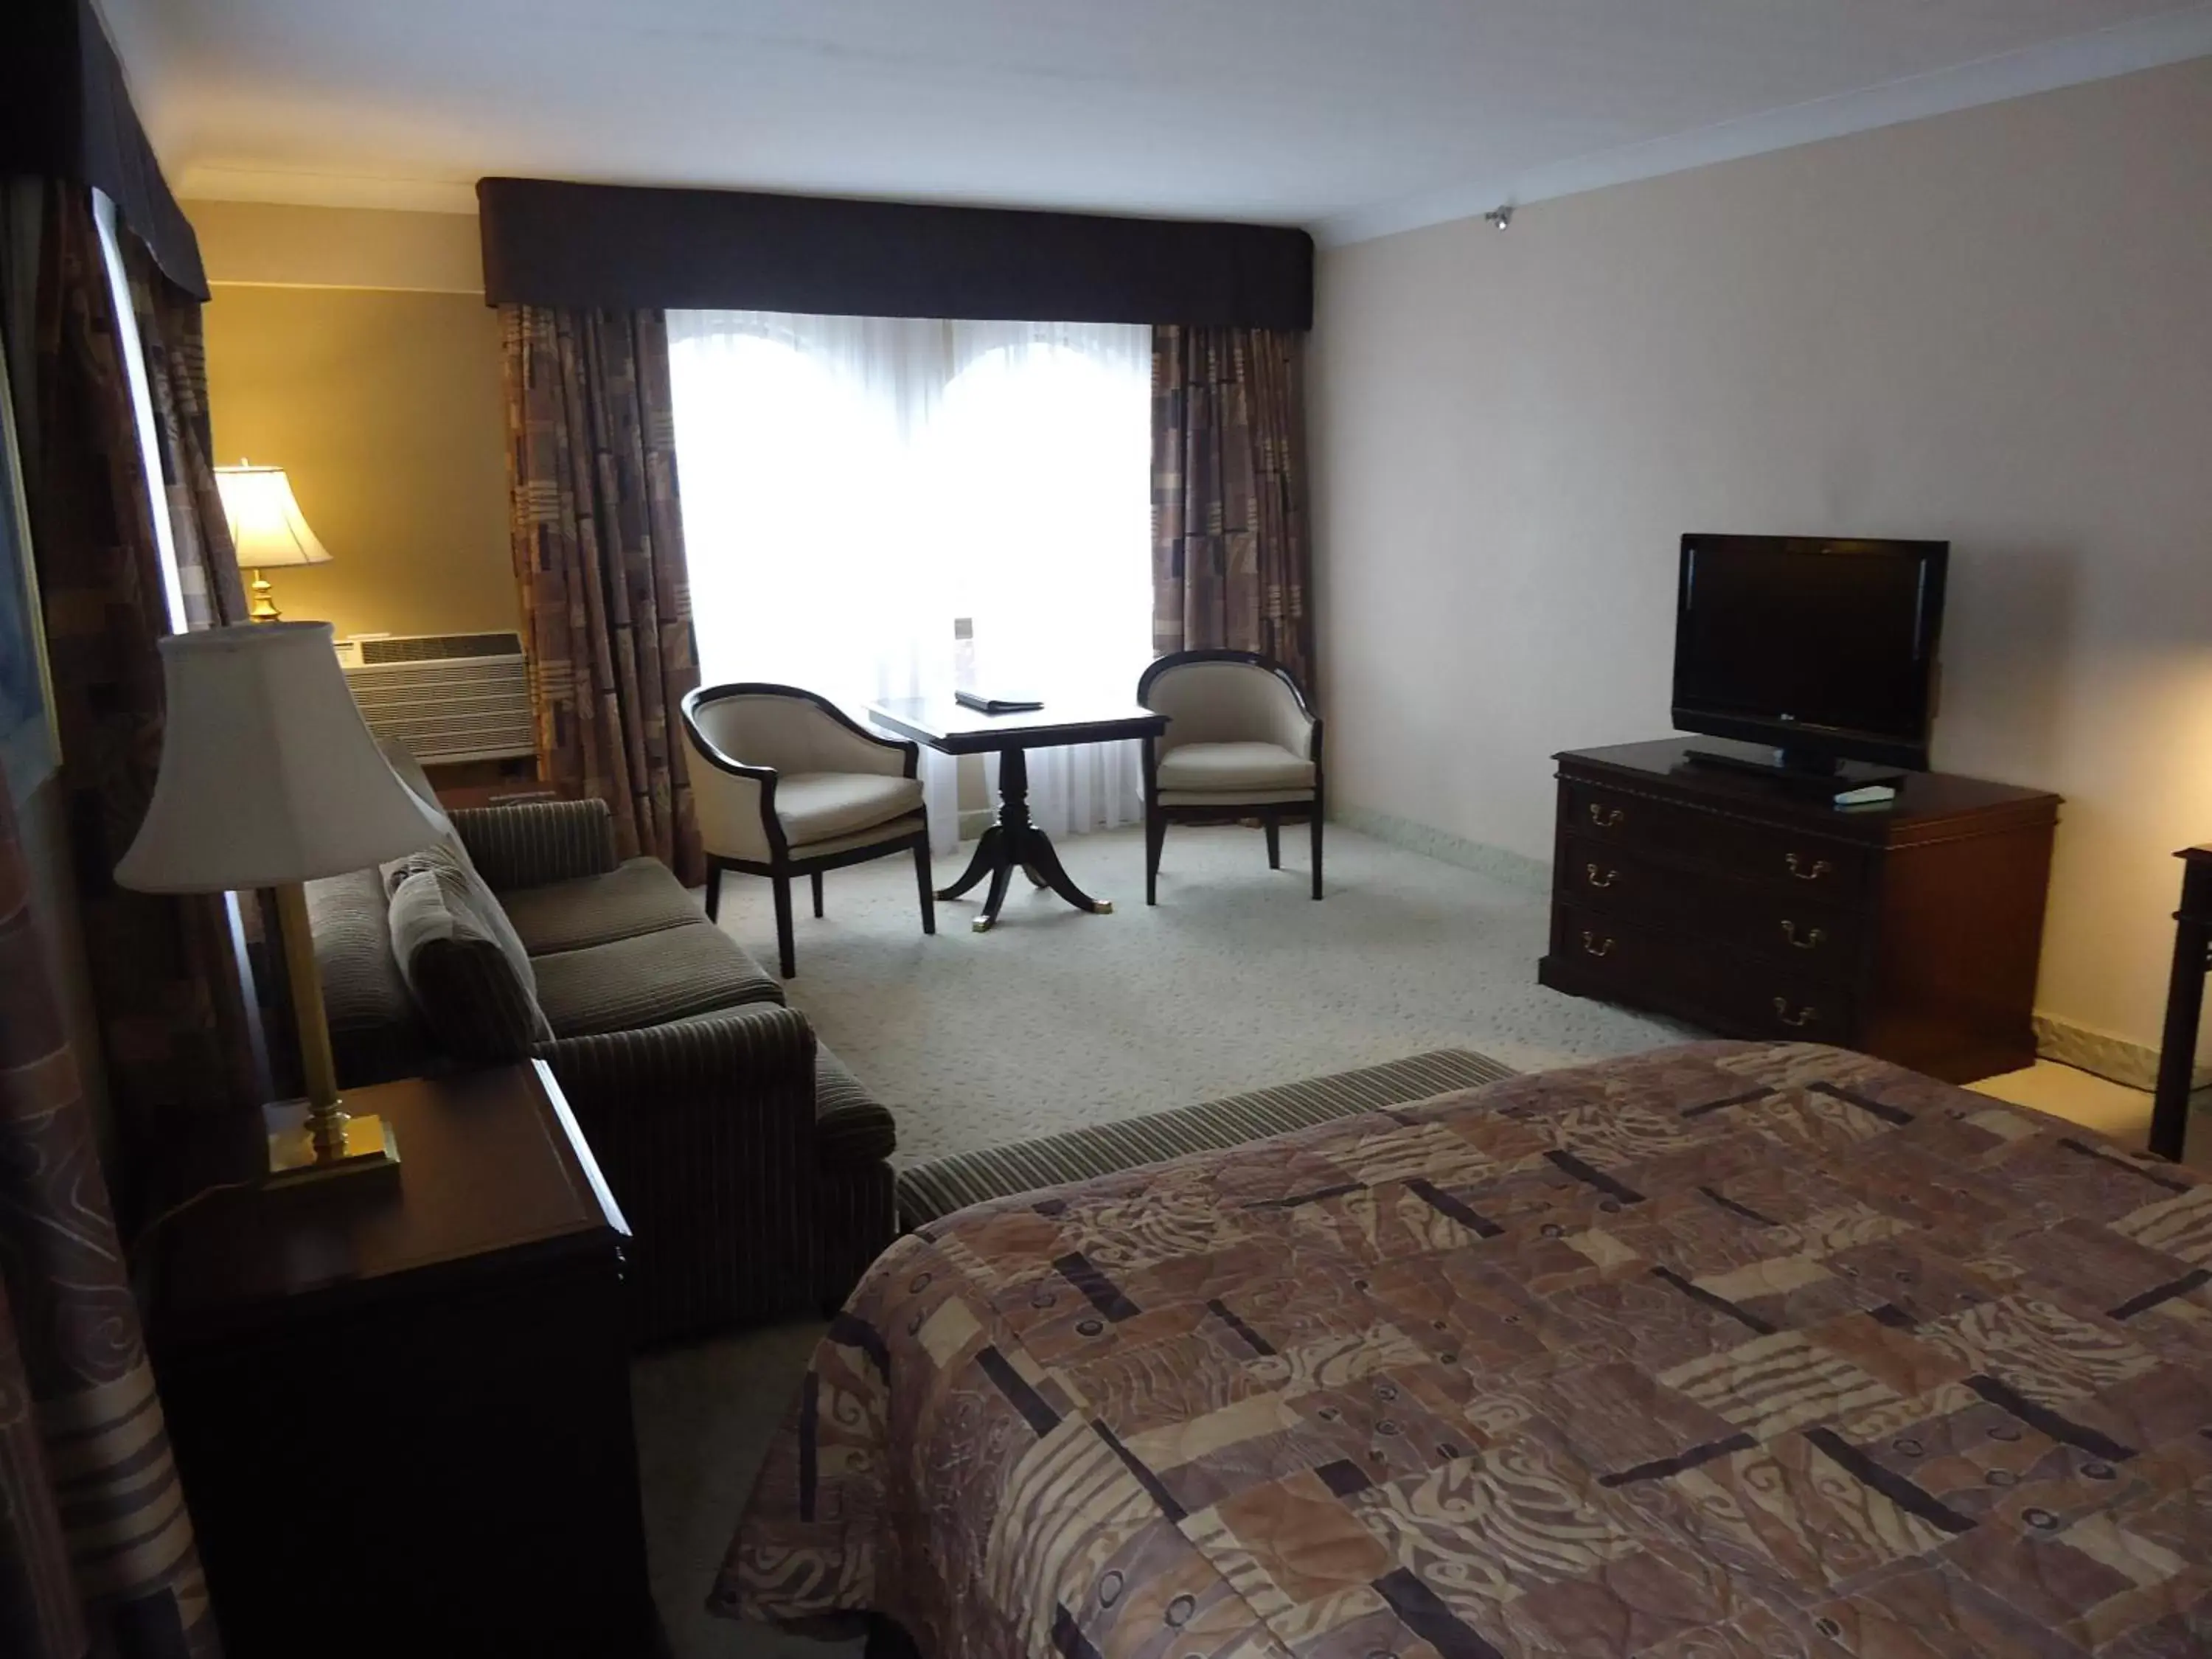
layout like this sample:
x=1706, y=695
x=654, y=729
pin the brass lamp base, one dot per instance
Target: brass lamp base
x=294, y=1157
x=316, y=1137
x=263, y=597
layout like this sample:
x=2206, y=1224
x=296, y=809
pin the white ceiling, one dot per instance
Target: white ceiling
x=1355, y=117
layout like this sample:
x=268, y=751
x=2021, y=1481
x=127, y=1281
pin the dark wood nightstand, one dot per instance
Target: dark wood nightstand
x=2184, y=1005
x=400, y=1402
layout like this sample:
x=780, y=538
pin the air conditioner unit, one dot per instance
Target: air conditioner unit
x=447, y=697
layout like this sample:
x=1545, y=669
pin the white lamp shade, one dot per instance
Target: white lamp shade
x=269, y=774
x=266, y=525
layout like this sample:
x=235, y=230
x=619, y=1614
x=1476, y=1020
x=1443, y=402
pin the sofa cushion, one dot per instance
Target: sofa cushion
x=648, y=980
x=1218, y=767
x=639, y=896
x=466, y=969
x=851, y=1126
x=824, y=805
x=376, y=1034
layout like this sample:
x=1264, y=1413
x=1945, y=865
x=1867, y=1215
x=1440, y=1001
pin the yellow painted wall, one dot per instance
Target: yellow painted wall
x=353, y=348
x=339, y=247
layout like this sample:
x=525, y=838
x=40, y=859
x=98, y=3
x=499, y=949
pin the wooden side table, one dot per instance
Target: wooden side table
x=1014, y=841
x=2184, y=1004
x=400, y=1402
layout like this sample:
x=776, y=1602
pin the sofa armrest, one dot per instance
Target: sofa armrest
x=533, y=843
x=704, y=1128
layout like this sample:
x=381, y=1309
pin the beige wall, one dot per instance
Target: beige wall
x=1994, y=327
x=353, y=349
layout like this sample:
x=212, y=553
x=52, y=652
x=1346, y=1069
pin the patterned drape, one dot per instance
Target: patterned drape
x=598, y=557
x=178, y=1041
x=171, y=335
x=96, y=1552
x=1231, y=562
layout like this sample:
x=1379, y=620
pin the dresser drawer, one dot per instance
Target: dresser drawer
x=1824, y=870
x=1597, y=954
x=1621, y=882
x=1759, y=999
x=1615, y=955
x=1821, y=939
x=1816, y=941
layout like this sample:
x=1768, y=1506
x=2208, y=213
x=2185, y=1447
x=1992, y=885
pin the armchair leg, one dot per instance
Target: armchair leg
x=714, y=891
x=1155, y=832
x=1274, y=827
x=786, y=953
x=1316, y=848
x=921, y=875
x=817, y=895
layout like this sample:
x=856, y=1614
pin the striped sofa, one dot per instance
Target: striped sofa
x=752, y=1167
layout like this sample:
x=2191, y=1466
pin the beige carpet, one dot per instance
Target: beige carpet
x=1235, y=982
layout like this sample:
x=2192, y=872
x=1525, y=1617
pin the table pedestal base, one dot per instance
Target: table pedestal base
x=1015, y=843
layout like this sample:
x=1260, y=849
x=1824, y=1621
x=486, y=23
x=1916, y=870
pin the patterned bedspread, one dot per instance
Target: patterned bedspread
x=1728, y=1349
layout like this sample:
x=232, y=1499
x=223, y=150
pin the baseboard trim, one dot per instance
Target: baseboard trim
x=1515, y=869
x=2119, y=1059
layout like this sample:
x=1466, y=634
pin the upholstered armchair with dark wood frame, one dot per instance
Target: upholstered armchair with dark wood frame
x=791, y=787
x=1241, y=743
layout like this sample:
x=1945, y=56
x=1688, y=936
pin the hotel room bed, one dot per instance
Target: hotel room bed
x=1726, y=1350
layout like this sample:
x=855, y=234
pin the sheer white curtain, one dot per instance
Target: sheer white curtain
x=852, y=484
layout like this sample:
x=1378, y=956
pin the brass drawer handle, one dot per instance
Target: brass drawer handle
x=1813, y=938
x=1592, y=948
x=1804, y=1016
x=1604, y=816
x=1596, y=880
x=1803, y=872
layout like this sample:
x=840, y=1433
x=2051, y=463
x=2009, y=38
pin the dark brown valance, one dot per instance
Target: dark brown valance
x=620, y=247
x=65, y=112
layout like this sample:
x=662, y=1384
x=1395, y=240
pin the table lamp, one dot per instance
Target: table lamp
x=266, y=529
x=270, y=778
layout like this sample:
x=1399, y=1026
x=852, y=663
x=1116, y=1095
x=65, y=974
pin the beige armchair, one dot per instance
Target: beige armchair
x=1241, y=743
x=791, y=787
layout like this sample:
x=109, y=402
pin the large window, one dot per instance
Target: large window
x=852, y=485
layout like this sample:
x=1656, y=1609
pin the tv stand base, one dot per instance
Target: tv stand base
x=1812, y=774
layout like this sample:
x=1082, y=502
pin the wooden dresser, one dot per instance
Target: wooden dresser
x=400, y=1402
x=1910, y=931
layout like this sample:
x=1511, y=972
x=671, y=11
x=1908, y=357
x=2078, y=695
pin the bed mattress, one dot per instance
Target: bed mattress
x=1725, y=1350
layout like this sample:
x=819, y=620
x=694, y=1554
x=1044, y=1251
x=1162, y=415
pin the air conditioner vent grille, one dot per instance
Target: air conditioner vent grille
x=448, y=697
x=421, y=647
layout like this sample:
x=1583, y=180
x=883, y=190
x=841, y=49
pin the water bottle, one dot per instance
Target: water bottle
x=963, y=654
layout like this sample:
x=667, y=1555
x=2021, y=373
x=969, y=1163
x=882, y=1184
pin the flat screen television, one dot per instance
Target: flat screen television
x=1823, y=650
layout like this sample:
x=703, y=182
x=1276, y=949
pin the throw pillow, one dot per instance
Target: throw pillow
x=463, y=962
x=408, y=770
